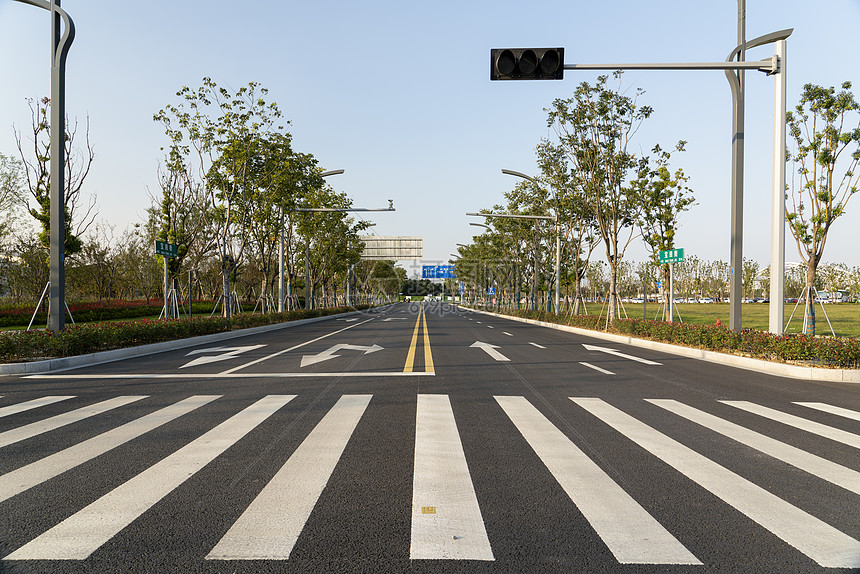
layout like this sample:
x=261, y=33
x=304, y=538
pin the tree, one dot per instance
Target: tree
x=576, y=218
x=287, y=178
x=181, y=210
x=664, y=197
x=751, y=271
x=331, y=240
x=595, y=127
x=78, y=216
x=99, y=268
x=823, y=136
x=225, y=131
x=11, y=193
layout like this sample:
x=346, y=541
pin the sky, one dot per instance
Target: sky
x=398, y=95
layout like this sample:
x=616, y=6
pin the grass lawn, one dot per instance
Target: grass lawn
x=845, y=317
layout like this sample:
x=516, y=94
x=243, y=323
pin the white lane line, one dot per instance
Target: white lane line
x=839, y=411
x=235, y=375
x=446, y=518
x=84, y=532
x=813, y=427
x=293, y=348
x=628, y=530
x=815, y=465
x=270, y=526
x=490, y=327
x=506, y=333
x=536, y=345
x=590, y=366
x=53, y=423
x=824, y=544
x=35, y=403
x=26, y=477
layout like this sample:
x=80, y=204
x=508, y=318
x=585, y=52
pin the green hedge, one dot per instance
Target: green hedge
x=20, y=346
x=837, y=352
x=103, y=311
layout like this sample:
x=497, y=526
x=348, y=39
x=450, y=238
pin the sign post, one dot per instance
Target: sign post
x=166, y=250
x=671, y=256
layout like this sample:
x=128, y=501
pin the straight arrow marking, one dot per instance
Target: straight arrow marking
x=619, y=354
x=490, y=350
x=330, y=353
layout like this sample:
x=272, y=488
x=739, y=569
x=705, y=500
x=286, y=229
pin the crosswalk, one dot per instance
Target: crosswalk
x=448, y=516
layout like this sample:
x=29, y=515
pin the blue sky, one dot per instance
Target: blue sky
x=398, y=94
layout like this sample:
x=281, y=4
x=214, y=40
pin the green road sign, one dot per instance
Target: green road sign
x=672, y=256
x=166, y=249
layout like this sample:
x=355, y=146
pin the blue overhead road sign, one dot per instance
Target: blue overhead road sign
x=438, y=272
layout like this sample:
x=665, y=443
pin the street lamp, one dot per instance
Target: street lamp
x=552, y=218
x=308, y=290
x=281, y=250
x=557, y=242
x=60, y=44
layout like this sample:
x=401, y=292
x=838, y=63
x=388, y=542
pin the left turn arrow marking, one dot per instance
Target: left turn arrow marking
x=225, y=353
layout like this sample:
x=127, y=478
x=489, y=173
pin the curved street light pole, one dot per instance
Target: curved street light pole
x=281, y=251
x=309, y=301
x=557, y=243
x=61, y=41
x=777, y=241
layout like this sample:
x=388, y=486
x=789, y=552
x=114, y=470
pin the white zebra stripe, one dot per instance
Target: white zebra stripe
x=815, y=465
x=826, y=545
x=35, y=403
x=26, y=477
x=271, y=525
x=813, y=427
x=441, y=482
x=33, y=429
x=84, y=532
x=631, y=534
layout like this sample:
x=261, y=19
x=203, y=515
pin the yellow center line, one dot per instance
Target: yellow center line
x=428, y=354
x=410, y=357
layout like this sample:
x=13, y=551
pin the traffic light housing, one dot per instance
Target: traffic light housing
x=527, y=63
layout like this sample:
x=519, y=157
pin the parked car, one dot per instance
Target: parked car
x=706, y=300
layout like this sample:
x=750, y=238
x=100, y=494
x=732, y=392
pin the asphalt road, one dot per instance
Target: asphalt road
x=426, y=439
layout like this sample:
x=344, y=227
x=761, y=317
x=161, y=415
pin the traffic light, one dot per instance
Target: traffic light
x=526, y=63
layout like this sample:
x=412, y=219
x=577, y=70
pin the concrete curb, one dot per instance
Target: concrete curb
x=748, y=363
x=66, y=363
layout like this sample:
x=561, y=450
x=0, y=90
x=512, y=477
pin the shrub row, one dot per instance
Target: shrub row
x=837, y=352
x=103, y=311
x=19, y=346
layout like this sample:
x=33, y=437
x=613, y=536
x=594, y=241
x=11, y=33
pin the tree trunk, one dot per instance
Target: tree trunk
x=613, y=291
x=667, y=295
x=534, y=305
x=809, y=319
x=227, y=307
x=264, y=292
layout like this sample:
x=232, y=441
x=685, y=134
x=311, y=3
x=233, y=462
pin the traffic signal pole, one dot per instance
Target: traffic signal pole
x=537, y=63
